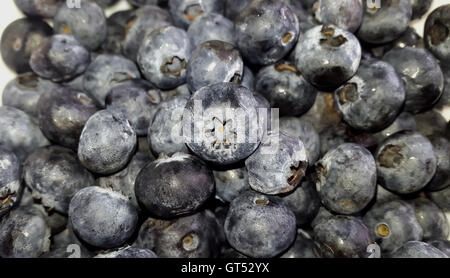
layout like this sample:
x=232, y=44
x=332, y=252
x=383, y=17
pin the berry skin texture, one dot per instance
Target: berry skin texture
x=60, y=58
x=213, y=62
x=163, y=57
x=10, y=179
x=345, y=14
x=433, y=221
x=102, y=218
x=266, y=30
x=19, y=39
x=417, y=249
x=372, y=99
x=39, y=8
x=441, y=179
x=405, y=162
x=107, y=143
x=184, y=12
x=437, y=33
x=333, y=244
x=422, y=75
x=327, y=56
x=174, y=186
x=210, y=27
x=259, y=226
x=346, y=178
x=62, y=114
x=280, y=169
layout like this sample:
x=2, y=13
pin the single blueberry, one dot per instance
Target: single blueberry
x=230, y=183
x=345, y=14
x=210, y=27
x=437, y=33
x=39, y=8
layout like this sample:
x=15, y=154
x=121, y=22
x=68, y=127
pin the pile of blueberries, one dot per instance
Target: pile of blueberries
x=89, y=164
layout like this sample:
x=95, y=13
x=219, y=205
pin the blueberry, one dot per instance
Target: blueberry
x=304, y=130
x=63, y=242
x=248, y=79
x=384, y=195
x=433, y=221
x=322, y=215
x=165, y=134
x=107, y=143
x=144, y=21
x=441, y=198
x=230, y=183
x=136, y=100
x=441, y=244
x=185, y=11
x=421, y=74
x=436, y=34
x=24, y=233
x=405, y=162
x=441, y=179
x=60, y=58
x=346, y=178
x=234, y=7
x=304, y=202
x=259, y=226
x=444, y=101
x=323, y=113
x=342, y=237
x=127, y=253
x=420, y=7
x=54, y=175
x=333, y=137
x=385, y=23
x=102, y=218
x=213, y=62
x=278, y=167
x=117, y=26
x=39, y=8
x=18, y=133
x=372, y=99
x=163, y=56
x=10, y=179
x=62, y=114
x=86, y=23
x=266, y=30
x=417, y=249
x=285, y=88
x=174, y=186
x=209, y=27
x=404, y=121
x=124, y=180
x=217, y=135
x=327, y=56
x=392, y=224
x=347, y=14
x=303, y=247
x=408, y=38
x=106, y=71
x=194, y=236
x=19, y=39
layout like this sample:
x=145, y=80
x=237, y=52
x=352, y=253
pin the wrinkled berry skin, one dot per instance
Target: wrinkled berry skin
x=372, y=99
x=106, y=71
x=405, y=162
x=333, y=244
x=441, y=179
x=266, y=30
x=285, y=88
x=107, y=143
x=436, y=34
x=433, y=221
x=128, y=253
x=259, y=226
x=184, y=12
x=102, y=218
x=18, y=133
x=385, y=24
x=278, y=168
x=136, y=100
x=423, y=78
x=303, y=247
x=87, y=23
x=399, y=222
x=327, y=56
x=441, y=198
x=174, y=186
x=210, y=27
x=212, y=143
x=346, y=178
x=416, y=250
x=39, y=8
x=60, y=58
x=10, y=178
x=345, y=14
x=441, y=244
x=213, y=62
x=19, y=39
x=163, y=57
x=304, y=202
x=230, y=183
x=54, y=175
x=62, y=114
x=194, y=236
x=24, y=233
